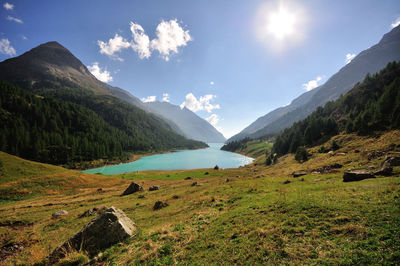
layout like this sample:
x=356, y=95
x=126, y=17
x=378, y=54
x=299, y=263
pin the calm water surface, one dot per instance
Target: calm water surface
x=192, y=159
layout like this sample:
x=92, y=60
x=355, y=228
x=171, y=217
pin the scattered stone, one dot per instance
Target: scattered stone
x=328, y=169
x=99, y=190
x=152, y=188
x=59, y=213
x=297, y=174
x=302, y=179
x=315, y=173
x=159, y=205
x=227, y=180
x=370, y=167
x=331, y=153
x=175, y=197
x=385, y=171
x=341, y=153
x=195, y=184
x=109, y=228
x=356, y=175
x=356, y=151
x=133, y=187
x=206, y=173
x=391, y=161
x=188, y=178
x=216, y=167
x=317, y=180
x=286, y=182
x=141, y=197
x=234, y=236
x=238, y=176
x=330, y=182
x=92, y=211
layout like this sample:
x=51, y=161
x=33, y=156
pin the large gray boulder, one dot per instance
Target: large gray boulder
x=391, y=161
x=133, y=187
x=356, y=175
x=109, y=228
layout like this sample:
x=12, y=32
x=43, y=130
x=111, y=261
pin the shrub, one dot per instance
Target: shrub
x=334, y=145
x=301, y=154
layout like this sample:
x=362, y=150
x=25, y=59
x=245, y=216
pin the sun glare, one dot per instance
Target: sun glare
x=281, y=23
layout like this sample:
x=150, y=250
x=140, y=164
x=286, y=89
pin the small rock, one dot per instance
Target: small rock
x=141, y=197
x=341, y=153
x=330, y=152
x=302, y=179
x=195, y=184
x=206, y=173
x=92, y=211
x=356, y=175
x=216, y=167
x=297, y=174
x=188, y=178
x=59, y=213
x=159, y=205
x=99, y=190
x=317, y=180
x=152, y=188
x=356, y=151
x=391, y=161
x=133, y=187
x=385, y=171
x=286, y=182
x=175, y=197
x=227, y=180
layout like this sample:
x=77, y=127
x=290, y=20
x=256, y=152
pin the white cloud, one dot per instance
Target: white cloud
x=113, y=46
x=165, y=97
x=170, y=36
x=141, y=42
x=349, y=57
x=8, y=6
x=149, y=99
x=203, y=103
x=101, y=75
x=396, y=23
x=6, y=48
x=213, y=119
x=211, y=83
x=10, y=18
x=312, y=84
x=24, y=37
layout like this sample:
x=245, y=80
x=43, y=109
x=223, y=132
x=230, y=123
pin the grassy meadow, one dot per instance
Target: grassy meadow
x=249, y=215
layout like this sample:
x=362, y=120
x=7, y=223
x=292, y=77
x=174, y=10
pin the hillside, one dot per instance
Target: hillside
x=77, y=118
x=191, y=125
x=369, y=61
x=261, y=216
x=372, y=105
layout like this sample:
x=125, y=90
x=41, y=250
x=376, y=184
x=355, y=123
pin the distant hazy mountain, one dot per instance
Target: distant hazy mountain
x=369, y=61
x=192, y=126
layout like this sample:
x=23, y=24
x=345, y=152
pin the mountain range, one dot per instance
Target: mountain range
x=368, y=61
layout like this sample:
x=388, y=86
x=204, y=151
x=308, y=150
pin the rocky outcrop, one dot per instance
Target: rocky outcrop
x=59, y=214
x=109, y=228
x=133, y=187
x=391, y=161
x=159, y=205
x=357, y=175
x=385, y=171
x=152, y=188
x=297, y=174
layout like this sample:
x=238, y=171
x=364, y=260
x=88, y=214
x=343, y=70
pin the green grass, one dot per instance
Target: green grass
x=253, y=219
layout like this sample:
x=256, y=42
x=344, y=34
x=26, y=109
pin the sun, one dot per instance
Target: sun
x=281, y=23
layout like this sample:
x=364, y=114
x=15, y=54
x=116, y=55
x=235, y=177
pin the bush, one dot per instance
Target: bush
x=301, y=154
x=323, y=149
x=334, y=146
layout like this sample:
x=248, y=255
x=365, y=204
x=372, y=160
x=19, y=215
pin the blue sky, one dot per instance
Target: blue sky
x=226, y=60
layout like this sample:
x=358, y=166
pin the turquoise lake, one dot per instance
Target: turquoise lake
x=180, y=160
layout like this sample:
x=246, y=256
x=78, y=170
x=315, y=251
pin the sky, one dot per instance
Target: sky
x=229, y=61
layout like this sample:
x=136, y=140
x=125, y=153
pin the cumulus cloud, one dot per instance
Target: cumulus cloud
x=113, y=46
x=349, y=57
x=203, y=103
x=396, y=23
x=213, y=119
x=24, y=37
x=102, y=75
x=165, y=97
x=8, y=6
x=141, y=42
x=149, y=99
x=312, y=84
x=10, y=18
x=211, y=83
x=170, y=36
x=6, y=48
